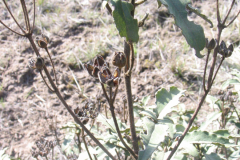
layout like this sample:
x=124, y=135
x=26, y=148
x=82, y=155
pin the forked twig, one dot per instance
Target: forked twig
x=110, y=102
x=28, y=35
x=4, y=1
x=211, y=79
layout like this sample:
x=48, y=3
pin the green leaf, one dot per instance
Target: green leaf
x=190, y=149
x=237, y=124
x=159, y=3
x=212, y=156
x=235, y=154
x=230, y=81
x=212, y=101
x=126, y=25
x=3, y=155
x=109, y=123
x=166, y=100
x=98, y=151
x=193, y=33
x=158, y=156
x=180, y=128
x=155, y=134
x=110, y=147
x=204, y=137
x=222, y=133
x=149, y=114
x=67, y=143
x=145, y=100
x=210, y=118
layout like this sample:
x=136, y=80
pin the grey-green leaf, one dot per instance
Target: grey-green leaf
x=230, y=81
x=126, y=25
x=193, y=33
x=212, y=156
x=166, y=100
x=204, y=137
x=155, y=134
x=213, y=116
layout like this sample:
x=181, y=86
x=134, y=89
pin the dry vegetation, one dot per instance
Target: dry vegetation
x=79, y=30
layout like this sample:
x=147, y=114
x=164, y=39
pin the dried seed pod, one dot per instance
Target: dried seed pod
x=230, y=50
x=41, y=43
x=211, y=44
x=84, y=120
x=45, y=38
x=223, y=49
x=119, y=59
x=93, y=71
x=99, y=61
x=39, y=63
x=230, y=47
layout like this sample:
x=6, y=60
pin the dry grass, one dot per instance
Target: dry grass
x=78, y=31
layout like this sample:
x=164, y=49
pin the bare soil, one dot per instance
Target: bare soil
x=78, y=31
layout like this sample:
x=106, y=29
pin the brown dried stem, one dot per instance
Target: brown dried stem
x=13, y=16
x=45, y=81
x=85, y=144
x=110, y=102
x=127, y=78
x=54, y=71
x=29, y=36
x=211, y=79
x=205, y=69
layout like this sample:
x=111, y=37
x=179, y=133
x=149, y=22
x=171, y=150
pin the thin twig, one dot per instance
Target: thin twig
x=233, y=19
x=188, y=127
x=109, y=8
x=217, y=70
x=52, y=64
x=117, y=154
x=115, y=93
x=52, y=153
x=205, y=69
x=218, y=13
x=45, y=81
x=76, y=119
x=25, y=13
x=83, y=137
x=110, y=102
x=230, y=9
x=119, y=133
x=139, y=2
x=13, y=16
x=104, y=91
x=34, y=10
x=11, y=29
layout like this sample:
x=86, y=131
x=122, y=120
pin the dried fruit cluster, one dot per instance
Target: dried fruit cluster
x=43, y=147
x=86, y=112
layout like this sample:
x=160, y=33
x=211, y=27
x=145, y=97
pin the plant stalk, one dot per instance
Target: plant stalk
x=76, y=119
x=127, y=78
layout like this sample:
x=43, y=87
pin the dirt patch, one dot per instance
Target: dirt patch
x=78, y=31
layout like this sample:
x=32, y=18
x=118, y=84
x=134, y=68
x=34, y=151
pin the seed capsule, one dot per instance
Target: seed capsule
x=119, y=59
x=43, y=41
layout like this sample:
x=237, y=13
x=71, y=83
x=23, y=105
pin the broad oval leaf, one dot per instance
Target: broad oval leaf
x=193, y=33
x=155, y=134
x=166, y=100
x=126, y=25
